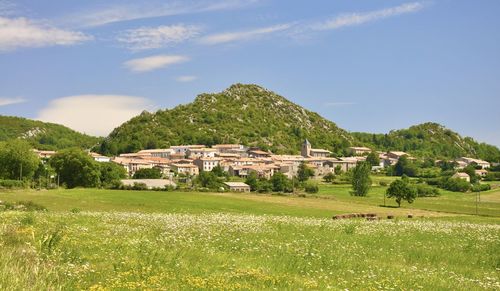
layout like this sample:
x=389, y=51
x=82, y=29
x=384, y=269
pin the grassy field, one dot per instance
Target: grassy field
x=122, y=240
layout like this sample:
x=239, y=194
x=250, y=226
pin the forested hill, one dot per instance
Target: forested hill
x=246, y=114
x=42, y=135
x=430, y=140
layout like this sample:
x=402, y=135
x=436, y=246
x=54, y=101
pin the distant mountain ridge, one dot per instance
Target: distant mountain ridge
x=429, y=140
x=44, y=135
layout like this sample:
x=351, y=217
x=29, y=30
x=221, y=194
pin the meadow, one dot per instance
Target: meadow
x=120, y=240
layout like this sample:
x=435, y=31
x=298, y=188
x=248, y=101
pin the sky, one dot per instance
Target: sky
x=370, y=66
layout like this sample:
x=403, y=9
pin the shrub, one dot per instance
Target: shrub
x=311, y=188
x=382, y=183
x=13, y=184
x=481, y=187
x=139, y=186
x=424, y=190
x=455, y=185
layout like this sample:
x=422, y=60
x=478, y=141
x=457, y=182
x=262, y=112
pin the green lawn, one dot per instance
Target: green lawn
x=132, y=240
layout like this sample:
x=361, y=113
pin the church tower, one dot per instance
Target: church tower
x=306, y=149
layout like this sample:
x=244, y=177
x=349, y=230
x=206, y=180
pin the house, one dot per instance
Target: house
x=262, y=171
x=469, y=161
x=186, y=169
x=359, y=151
x=100, y=158
x=132, y=164
x=228, y=148
x=201, y=153
x=463, y=176
x=150, y=183
x=160, y=153
x=396, y=155
x=207, y=164
x=307, y=151
x=237, y=186
x=481, y=172
x=183, y=149
x=258, y=154
x=44, y=154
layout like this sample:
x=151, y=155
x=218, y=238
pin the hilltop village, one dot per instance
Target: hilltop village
x=239, y=161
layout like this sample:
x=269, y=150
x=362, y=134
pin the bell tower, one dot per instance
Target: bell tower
x=305, y=151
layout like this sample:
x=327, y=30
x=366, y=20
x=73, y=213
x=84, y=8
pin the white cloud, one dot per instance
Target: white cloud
x=22, y=32
x=156, y=37
x=351, y=19
x=93, y=114
x=10, y=101
x=185, y=79
x=243, y=35
x=119, y=13
x=154, y=62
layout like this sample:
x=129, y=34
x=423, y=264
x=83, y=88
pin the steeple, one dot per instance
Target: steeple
x=305, y=151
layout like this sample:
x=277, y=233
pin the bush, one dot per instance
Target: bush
x=424, y=190
x=492, y=176
x=456, y=185
x=23, y=206
x=139, y=186
x=311, y=188
x=382, y=183
x=481, y=187
x=13, y=184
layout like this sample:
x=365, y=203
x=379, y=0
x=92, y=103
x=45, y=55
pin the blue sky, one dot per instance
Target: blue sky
x=367, y=65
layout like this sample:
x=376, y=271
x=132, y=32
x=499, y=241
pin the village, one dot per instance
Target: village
x=187, y=161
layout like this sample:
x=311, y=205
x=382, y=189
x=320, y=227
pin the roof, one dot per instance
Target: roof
x=307, y=142
x=226, y=146
x=461, y=174
x=236, y=184
x=193, y=146
x=156, y=151
x=360, y=148
x=398, y=153
x=184, y=165
x=320, y=151
x=259, y=152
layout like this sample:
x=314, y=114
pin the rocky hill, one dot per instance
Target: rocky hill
x=246, y=114
x=43, y=135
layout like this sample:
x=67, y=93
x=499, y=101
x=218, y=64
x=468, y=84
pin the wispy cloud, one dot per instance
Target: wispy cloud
x=351, y=19
x=156, y=37
x=127, y=12
x=337, y=104
x=243, y=35
x=154, y=62
x=22, y=32
x=107, y=112
x=185, y=79
x=10, y=101
x=7, y=8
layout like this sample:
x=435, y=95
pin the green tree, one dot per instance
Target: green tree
x=401, y=189
x=373, y=159
x=17, y=160
x=329, y=177
x=207, y=180
x=304, y=172
x=111, y=174
x=361, y=180
x=76, y=168
x=252, y=181
x=405, y=167
x=153, y=173
x=280, y=183
x=471, y=171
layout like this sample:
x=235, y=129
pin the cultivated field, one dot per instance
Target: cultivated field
x=103, y=239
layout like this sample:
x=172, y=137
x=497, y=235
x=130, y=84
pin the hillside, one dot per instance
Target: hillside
x=246, y=114
x=430, y=140
x=42, y=135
